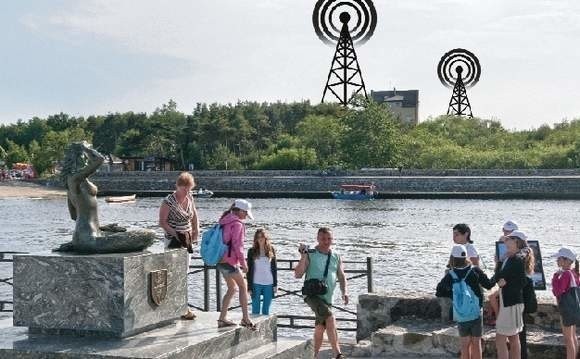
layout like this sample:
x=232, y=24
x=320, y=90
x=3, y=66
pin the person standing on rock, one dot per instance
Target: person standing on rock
x=178, y=218
x=507, y=228
x=323, y=267
x=511, y=279
x=470, y=326
x=565, y=283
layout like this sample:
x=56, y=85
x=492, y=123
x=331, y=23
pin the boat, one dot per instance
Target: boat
x=202, y=193
x=120, y=199
x=360, y=192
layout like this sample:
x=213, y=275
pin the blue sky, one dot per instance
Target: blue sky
x=98, y=56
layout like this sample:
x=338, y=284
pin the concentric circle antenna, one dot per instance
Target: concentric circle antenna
x=332, y=20
x=459, y=63
x=329, y=17
x=459, y=69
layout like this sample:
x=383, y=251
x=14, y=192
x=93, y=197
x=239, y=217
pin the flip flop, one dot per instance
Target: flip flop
x=222, y=323
x=189, y=316
x=248, y=324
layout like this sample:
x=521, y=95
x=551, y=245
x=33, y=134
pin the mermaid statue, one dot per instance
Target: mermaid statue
x=81, y=161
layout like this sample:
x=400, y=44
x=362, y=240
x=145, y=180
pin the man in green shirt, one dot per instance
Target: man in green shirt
x=313, y=263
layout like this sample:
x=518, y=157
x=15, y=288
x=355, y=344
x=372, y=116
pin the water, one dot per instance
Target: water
x=409, y=240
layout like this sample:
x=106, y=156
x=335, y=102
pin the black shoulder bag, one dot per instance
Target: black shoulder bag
x=315, y=286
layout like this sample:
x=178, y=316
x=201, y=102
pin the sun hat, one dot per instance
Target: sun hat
x=510, y=226
x=244, y=206
x=459, y=251
x=566, y=253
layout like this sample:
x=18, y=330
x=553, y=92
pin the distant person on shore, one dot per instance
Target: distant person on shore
x=178, y=218
x=507, y=228
x=234, y=235
x=323, y=267
x=462, y=235
x=463, y=284
x=511, y=279
x=262, y=273
x=565, y=284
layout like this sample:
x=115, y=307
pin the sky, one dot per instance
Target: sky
x=99, y=56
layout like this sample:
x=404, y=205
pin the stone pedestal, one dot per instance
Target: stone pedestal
x=101, y=294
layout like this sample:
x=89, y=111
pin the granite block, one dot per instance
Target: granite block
x=98, y=294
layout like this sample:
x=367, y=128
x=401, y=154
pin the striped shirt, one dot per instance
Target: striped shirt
x=178, y=217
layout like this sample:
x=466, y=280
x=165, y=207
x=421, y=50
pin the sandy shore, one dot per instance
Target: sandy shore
x=28, y=190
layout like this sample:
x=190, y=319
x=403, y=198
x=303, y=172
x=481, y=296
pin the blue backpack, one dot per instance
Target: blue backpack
x=465, y=302
x=212, y=247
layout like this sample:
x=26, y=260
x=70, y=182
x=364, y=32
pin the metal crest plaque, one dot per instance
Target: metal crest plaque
x=158, y=285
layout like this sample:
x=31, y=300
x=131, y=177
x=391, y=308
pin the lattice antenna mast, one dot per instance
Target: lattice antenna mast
x=459, y=103
x=459, y=69
x=344, y=71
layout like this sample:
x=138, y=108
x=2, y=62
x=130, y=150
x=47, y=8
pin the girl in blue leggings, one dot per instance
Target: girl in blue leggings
x=262, y=276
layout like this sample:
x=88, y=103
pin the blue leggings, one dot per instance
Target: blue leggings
x=267, y=291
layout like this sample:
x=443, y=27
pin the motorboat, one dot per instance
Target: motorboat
x=120, y=199
x=360, y=192
x=202, y=193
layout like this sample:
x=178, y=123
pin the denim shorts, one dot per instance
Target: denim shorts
x=226, y=269
x=472, y=328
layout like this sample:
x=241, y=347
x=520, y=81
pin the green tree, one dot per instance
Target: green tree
x=324, y=134
x=289, y=159
x=15, y=153
x=372, y=137
x=222, y=158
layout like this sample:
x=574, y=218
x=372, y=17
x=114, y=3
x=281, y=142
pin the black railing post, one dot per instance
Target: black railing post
x=218, y=291
x=370, y=275
x=205, y=288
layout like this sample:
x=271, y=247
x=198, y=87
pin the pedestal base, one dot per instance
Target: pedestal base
x=113, y=295
x=199, y=338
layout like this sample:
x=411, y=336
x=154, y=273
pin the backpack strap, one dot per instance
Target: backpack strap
x=456, y=277
x=327, y=264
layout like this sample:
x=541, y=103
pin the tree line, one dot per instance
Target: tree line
x=252, y=135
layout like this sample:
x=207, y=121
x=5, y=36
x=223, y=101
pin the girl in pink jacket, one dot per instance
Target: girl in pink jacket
x=565, y=285
x=234, y=234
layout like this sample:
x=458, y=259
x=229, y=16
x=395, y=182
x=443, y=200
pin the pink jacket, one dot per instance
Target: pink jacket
x=234, y=234
x=561, y=282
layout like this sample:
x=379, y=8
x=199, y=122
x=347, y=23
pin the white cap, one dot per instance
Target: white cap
x=518, y=234
x=566, y=253
x=459, y=251
x=244, y=206
x=510, y=226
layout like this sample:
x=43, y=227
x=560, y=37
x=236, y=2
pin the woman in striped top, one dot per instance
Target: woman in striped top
x=178, y=218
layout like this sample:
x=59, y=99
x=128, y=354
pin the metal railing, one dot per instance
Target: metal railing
x=7, y=257
x=283, y=265
x=356, y=273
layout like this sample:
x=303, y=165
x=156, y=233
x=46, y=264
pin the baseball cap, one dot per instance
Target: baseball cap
x=244, y=206
x=459, y=251
x=518, y=234
x=510, y=226
x=566, y=253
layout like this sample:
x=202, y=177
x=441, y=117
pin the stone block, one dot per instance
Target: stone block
x=99, y=294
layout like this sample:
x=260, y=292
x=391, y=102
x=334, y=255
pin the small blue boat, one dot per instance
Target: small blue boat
x=357, y=192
